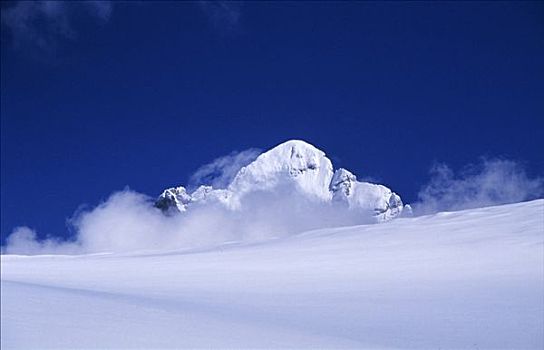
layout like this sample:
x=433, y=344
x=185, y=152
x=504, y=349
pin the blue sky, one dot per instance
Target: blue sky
x=98, y=96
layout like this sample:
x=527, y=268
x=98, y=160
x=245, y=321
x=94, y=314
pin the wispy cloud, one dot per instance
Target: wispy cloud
x=42, y=24
x=220, y=172
x=224, y=15
x=24, y=240
x=489, y=182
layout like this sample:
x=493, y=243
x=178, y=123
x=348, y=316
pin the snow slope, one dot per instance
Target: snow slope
x=471, y=279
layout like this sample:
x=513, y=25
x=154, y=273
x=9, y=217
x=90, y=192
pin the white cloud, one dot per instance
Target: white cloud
x=220, y=172
x=127, y=221
x=23, y=240
x=491, y=182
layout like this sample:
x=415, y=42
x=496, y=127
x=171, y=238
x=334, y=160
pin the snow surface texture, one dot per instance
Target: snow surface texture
x=293, y=168
x=471, y=279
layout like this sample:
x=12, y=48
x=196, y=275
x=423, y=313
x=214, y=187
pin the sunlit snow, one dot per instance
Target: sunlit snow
x=469, y=279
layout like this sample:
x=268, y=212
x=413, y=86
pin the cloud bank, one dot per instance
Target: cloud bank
x=128, y=221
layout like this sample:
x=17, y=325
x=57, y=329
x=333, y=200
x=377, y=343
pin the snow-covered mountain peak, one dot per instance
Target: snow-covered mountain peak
x=292, y=170
x=292, y=162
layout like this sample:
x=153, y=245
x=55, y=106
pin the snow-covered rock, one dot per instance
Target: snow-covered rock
x=407, y=211
x=293, y=168
x=172, y=199
x=342, y=184
x=365, y=196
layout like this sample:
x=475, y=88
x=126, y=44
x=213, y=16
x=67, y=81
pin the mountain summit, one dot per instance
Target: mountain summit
x=292, y=169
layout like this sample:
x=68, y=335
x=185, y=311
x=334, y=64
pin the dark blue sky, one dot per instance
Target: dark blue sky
x=142, y=94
